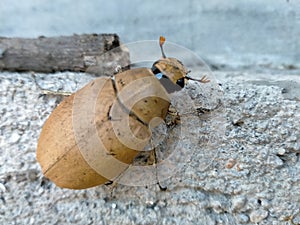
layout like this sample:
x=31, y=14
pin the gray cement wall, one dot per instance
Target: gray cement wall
x=227, y=33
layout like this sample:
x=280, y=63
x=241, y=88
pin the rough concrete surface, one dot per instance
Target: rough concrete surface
x=248, y=173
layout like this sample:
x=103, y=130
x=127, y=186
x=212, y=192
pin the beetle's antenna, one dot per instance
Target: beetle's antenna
x=202, y=80
x=162, y=40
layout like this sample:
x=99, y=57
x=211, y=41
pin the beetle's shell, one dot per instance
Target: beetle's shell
x=91, y=137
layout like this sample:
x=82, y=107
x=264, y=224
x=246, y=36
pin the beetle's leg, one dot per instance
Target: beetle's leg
x=156, y=173
x=155, y=158
x=112, y=185
x=49, y=92
x=173, y=117
x=150, y=157
x=203, y=79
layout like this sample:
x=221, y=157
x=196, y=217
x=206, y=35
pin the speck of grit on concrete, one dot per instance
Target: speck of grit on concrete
x=247, y=175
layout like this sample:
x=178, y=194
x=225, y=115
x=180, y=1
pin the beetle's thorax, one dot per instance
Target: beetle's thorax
x=171, y=68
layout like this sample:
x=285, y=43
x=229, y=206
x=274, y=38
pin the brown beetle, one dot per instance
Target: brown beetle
x=96, y=133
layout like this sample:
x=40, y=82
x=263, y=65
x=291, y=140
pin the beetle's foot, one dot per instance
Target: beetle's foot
x=112, y=185
x=202, y=110
x=204, y=79
x=161, y=187
x=120, y=69
x=110, y=182
x=173, y=117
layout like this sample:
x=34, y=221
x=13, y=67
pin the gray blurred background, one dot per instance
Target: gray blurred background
x=234, y=34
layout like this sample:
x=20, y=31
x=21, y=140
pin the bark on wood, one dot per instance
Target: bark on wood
x=94, y=53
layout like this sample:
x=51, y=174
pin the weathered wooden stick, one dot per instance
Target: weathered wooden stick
x=99, y=54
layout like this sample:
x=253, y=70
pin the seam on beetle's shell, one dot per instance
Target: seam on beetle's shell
x=58, y=159
x=130, y=113
x=108, y=113
x=63, y=155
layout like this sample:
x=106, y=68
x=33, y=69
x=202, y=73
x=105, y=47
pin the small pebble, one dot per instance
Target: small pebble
x=296, y=147
x=230, y=163
x=216, y=205
x=32, y=175
x=2, y=188
x=258, y=215
x=238, y=203
x=281, y=151
x=274, y=161
x=265, y=203
x=243, y=218
x=114, y=205
x=14, y=138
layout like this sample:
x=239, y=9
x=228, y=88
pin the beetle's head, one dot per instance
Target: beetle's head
x=171, y=72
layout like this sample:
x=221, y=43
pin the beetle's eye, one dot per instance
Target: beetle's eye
x=180, y=82
x=155, y=70
x=159, y=75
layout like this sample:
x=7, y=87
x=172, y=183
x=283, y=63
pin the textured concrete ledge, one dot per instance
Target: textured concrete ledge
x=251, y=174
